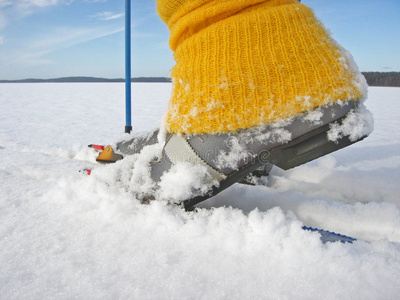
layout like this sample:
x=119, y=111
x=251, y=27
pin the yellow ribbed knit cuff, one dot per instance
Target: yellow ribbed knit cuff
x=241, y=63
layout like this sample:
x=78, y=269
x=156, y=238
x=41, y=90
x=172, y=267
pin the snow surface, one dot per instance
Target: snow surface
x=65, y=235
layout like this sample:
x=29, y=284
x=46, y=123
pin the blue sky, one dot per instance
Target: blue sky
x=57, y=38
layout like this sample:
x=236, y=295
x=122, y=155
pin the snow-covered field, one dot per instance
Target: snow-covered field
x=64, y=235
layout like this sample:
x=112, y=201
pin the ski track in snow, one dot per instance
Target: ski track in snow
x=65, y=235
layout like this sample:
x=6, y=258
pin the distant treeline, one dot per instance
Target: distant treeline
x=88, y=79
x=382, y=78
x=373, y=79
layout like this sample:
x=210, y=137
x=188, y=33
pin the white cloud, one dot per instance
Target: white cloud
x=35, y=52
x=22, y=8
x=3, y=21
x=4, y=3
x=107, y=15
x=34, y=48
x=63, y=37
x=40, y=3
x=11, y=11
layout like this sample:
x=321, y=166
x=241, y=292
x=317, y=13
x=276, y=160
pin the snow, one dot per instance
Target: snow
x=66, y=235
x=357, y=124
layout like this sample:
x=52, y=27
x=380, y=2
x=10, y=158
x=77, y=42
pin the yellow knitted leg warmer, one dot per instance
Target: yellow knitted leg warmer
x=241, y=63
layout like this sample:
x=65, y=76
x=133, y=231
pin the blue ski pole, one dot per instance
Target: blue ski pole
x=128, y=117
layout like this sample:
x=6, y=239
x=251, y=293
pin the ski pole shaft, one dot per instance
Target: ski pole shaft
x=128, y=117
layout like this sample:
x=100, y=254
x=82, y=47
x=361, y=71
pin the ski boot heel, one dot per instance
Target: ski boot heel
x=308, y=147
